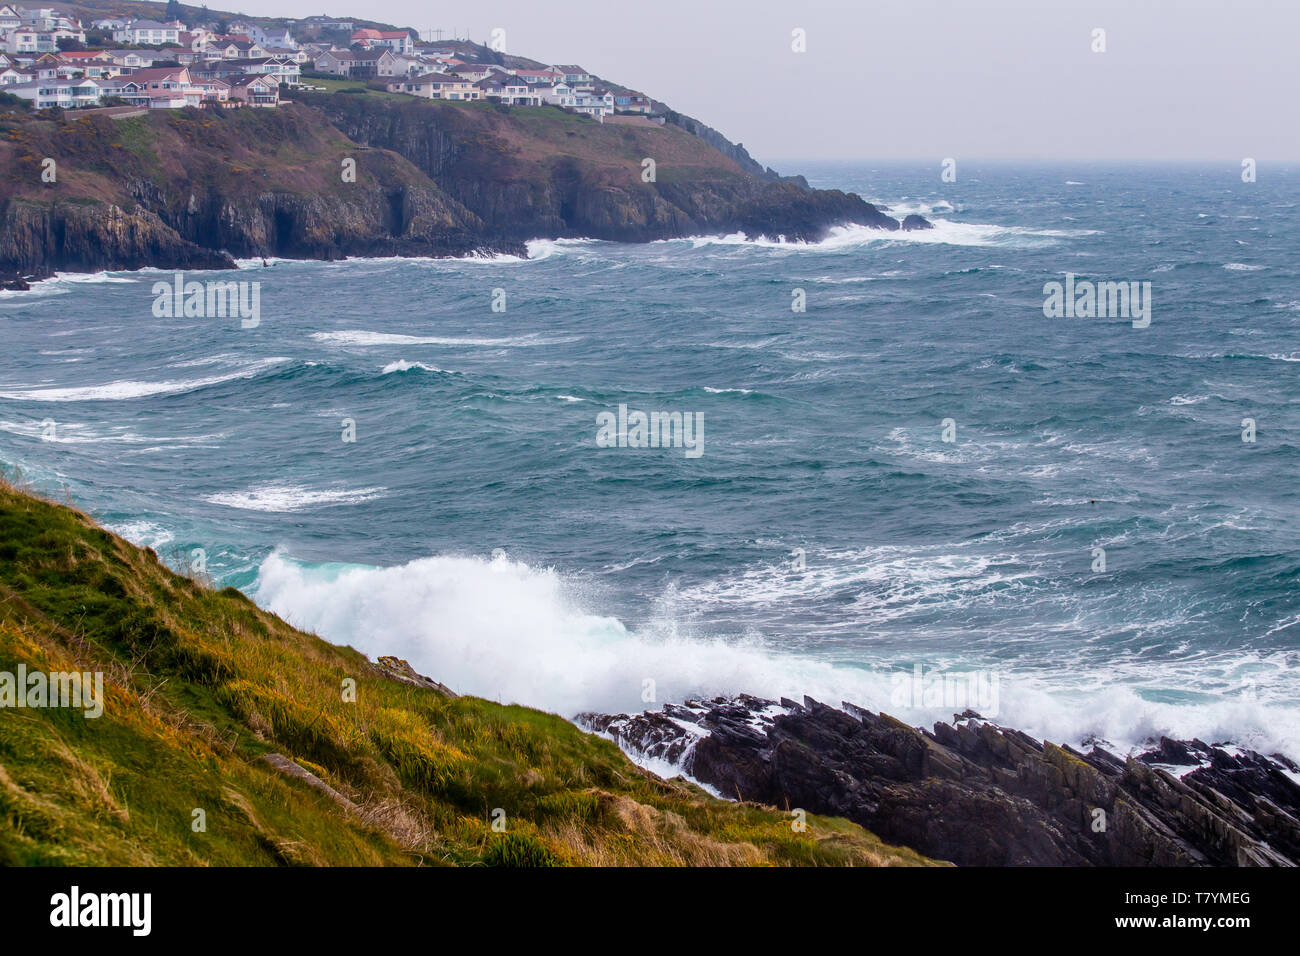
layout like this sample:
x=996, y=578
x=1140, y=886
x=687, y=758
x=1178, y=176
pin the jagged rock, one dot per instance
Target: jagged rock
x=298, y=772
x=979, y=794
x=395, y=668
x=916, y=222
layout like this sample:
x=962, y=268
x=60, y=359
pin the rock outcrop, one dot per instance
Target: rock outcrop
x=978, y=794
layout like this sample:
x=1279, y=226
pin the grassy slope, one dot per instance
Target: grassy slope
x=243, y=153
x=201, y=683
x=296, y=150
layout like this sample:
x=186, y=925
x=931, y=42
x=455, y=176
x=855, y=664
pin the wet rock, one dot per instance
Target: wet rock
x=979, y=794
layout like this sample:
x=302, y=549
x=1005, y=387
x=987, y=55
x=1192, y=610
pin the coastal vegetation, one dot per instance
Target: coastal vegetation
x=229, y=738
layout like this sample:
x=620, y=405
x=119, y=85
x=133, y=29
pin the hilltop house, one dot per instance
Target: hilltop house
x=164, y=87
x=437, y=86
x=147, y=33
x=572, y=74
x=476, y=71
x=276, y=69
x=65, y=94
x=360, y=64
x=509, y=90
x=20, y=40
x=269, y=37
x=399, y=41
x=632, y=103
x=255, y=90
x=131, y=59
x=91, y=62
x=47, y=19
x=547, y=77
x=230, y=48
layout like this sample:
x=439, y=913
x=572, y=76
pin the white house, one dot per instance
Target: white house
x=598, y=105
x=475, y=71
x=46, y=19
x=399, y=41
x=131, y=59
x=573, y=75
x=508, y=90
x=147, y=33
x=67, y=94
x=278, y=70
x=21, y=40
x=48, y=41
x=278, y=37
x=436, y=86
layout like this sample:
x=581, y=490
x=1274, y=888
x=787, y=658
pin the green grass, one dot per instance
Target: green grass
x=200, y=683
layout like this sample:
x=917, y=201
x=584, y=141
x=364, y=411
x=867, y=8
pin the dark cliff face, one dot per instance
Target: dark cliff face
x=542, y=173
x=977, y=794
x=190, y=189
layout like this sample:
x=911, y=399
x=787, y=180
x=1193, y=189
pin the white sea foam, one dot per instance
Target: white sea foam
x=402, y=365
x=504, y=630
x=61, y=283
x=143, y=533
x=129, y=389
x=540, y=249
x=917, y=207
x=945, y=232
x=362, y=338
x=76, y=433
x=288, y=498
x=1242, y=267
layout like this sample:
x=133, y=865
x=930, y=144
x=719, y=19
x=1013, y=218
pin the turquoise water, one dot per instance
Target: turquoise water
x=476, y=527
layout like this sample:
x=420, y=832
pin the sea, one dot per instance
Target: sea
x=909, y=482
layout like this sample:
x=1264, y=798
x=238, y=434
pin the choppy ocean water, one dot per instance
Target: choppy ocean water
x=827, y=540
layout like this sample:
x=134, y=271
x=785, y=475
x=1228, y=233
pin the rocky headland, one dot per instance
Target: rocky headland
x=332, y=175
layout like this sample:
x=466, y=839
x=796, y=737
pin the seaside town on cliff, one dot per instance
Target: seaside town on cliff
x=52, y=59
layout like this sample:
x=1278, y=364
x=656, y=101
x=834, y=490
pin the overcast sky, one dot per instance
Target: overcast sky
x=881, y=79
